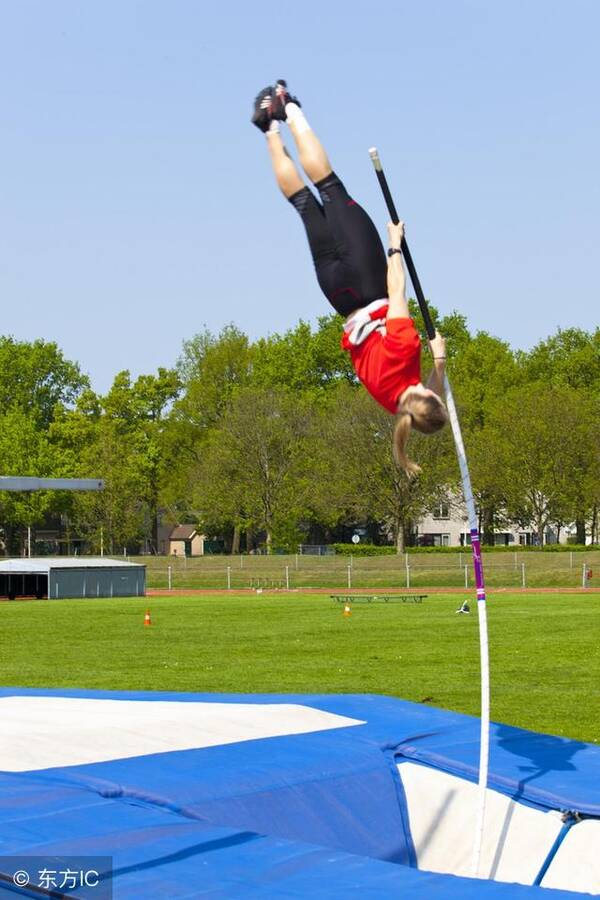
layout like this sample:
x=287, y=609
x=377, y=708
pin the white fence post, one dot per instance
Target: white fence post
x=349, y=576
x=584, y=581
x=170, y=576
x=407, y=572
x=228, y=578
x=287, y=578
x=466, y=576
x=523, y=575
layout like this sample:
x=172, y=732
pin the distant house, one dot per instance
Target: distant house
x=186, y=540
x=446, y=525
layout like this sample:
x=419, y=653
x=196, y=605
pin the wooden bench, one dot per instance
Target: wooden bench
x=378, y=598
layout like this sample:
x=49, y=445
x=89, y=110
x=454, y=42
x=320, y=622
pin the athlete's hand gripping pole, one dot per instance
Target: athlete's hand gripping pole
x=473, y=526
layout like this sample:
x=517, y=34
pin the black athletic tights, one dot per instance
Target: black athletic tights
x=346, y=249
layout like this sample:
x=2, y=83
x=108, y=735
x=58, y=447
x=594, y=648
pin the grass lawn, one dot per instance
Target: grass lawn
x=545, y=653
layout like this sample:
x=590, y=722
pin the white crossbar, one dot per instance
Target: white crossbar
x=23, y=483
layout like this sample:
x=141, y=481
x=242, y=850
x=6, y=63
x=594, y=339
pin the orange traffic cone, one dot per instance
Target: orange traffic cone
x=147, y=619
x=347, y=609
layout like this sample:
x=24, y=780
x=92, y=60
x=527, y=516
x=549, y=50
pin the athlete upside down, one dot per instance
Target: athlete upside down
x=351, y=269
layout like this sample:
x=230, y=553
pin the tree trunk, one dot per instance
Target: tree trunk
x=540, y=526
x=235, y=541
x=487, y=525
x=580, y=528
x=269, y=540
x=154, y=547
x=8, y=535
x=400, y=539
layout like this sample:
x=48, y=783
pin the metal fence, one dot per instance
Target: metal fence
x=298, y=571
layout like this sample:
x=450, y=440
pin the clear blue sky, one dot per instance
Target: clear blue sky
x=137, y=206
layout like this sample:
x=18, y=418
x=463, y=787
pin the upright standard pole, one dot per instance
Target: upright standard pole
x=473, y=526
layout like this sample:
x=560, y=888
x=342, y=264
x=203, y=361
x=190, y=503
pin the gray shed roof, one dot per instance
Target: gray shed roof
x=43, y=564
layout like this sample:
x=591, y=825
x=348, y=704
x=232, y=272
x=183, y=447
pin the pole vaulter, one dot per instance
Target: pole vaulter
x=368, y=291
x=473, y=526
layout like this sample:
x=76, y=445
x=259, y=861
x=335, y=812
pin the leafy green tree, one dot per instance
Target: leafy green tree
x=25, y=450
x=252, y=473
x=357, y=474
x=36, y=378
x=540, y=455
x=119, y=438
x=571, y=357
x=303, y=360
x=333, y=365
x=481, y=371
x=134, y=412
x=211, y=369
x=98, y=445
x=484, y=370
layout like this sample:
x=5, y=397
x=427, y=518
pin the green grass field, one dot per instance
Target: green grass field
x=545, y=654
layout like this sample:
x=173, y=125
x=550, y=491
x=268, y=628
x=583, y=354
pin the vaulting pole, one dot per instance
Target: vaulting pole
x=484, y=745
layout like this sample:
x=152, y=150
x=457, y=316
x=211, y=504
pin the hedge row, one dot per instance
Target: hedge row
x=373, y=550
x=363, y=550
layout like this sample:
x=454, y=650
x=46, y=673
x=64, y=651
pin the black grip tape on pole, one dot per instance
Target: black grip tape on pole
x=429, y=326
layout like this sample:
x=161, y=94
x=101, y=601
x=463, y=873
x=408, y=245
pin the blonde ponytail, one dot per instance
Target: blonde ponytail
x=400, y=439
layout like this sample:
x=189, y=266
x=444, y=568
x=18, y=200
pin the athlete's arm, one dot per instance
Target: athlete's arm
x=396, y=277
x=435, y=381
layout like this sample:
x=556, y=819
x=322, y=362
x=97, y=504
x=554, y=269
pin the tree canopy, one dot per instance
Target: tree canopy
x=273, y=441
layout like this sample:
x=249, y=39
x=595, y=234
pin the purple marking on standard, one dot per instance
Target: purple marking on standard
x=477, y=566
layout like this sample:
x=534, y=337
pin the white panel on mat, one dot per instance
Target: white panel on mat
x=45, y=732
x=576, y=866
x=442, y=813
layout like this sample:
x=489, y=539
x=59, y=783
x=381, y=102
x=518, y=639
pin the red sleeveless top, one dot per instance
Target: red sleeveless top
x=387, y=361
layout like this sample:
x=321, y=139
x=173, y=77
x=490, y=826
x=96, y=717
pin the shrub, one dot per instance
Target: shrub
x=363, y=550
x=387, y=550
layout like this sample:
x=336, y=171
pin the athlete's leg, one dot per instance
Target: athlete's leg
x=286, y=174
x=336, y=273
x=330, y=270
x=311, y=153
x=357, y=241
x=328, y=267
